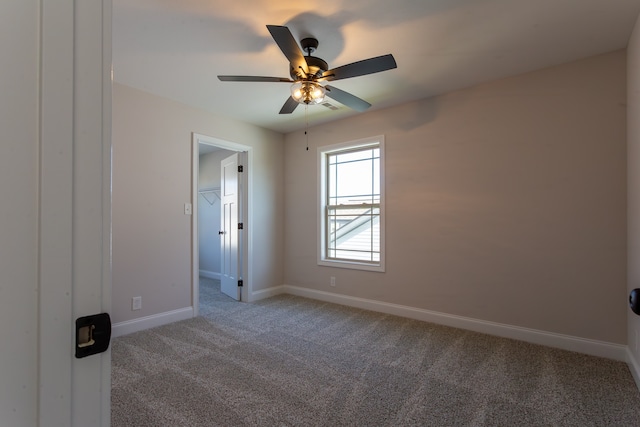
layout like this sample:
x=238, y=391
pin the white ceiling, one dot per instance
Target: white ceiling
x=176, y=48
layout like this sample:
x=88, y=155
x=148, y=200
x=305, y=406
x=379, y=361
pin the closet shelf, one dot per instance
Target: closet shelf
x=209, y=193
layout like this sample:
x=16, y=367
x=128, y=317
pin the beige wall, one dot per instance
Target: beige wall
x=633, y=164
x=151, y=183
x=505, y=202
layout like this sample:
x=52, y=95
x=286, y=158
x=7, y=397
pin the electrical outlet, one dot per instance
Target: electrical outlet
x=332, y=281
x=136, y=303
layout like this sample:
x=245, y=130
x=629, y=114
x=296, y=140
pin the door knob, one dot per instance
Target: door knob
x=220, y=232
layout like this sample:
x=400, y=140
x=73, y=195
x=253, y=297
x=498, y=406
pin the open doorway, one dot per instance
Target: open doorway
x=220, y=209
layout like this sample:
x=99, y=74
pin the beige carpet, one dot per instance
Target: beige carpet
x=290, y=361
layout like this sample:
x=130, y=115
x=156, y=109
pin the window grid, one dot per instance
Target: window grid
x=352, y=219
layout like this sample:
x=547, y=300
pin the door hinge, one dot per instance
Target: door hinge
x=240, y=168
x=240, y=284
x=240, y=226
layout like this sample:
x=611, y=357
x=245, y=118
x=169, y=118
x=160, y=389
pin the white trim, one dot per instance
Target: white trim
x=209, y=275
x=550, y=339
x=247, y=206
x=634, y=367
x=268, y=293
x=107, y=173
x=140, y=324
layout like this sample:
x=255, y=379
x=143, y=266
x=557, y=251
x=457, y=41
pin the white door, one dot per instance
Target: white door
x=229, y=229
x=74, y=208
x=55, y=209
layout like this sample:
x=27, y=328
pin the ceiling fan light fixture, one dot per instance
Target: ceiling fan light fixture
x=307, y=92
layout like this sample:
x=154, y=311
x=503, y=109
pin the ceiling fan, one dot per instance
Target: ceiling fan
x=308, y=73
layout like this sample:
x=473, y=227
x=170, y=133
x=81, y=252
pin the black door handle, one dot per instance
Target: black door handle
x=93, y=334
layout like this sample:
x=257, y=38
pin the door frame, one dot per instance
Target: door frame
x=246, y=181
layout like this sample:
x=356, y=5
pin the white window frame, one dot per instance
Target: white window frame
x=377, y=141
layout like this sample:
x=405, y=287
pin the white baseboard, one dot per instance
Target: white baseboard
x=142, y=323
x=267, y=293
x=534, y=336
x=209, y=274
x=634, y=367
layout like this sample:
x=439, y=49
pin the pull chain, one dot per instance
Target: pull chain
x=306, y=125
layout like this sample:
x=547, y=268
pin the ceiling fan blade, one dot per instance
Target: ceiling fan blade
x=253, y=79
x=361, y=68
x=288, y=46
x=347, y=99
x=289, y=106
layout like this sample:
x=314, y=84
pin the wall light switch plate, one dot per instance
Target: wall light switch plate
x=187, y=209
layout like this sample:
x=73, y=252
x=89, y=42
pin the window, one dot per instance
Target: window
x=351, y=230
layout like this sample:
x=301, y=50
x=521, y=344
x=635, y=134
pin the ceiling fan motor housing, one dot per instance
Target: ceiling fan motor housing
x=316, y=67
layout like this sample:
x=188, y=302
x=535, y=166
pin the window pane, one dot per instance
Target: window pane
x=354, y=182
x=332, y=183
x=376, y=179
x=354, y=233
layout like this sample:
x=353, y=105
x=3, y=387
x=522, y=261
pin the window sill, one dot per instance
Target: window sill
x=352, y=265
